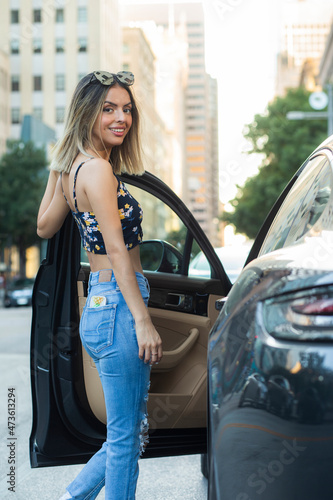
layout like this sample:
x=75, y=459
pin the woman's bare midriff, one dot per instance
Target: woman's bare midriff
x=98, y=262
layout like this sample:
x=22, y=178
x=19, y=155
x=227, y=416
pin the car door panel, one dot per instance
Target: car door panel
x=177, y=397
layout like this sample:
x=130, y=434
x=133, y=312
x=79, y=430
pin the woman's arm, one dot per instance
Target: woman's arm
x=101, y=190
x=53, y=208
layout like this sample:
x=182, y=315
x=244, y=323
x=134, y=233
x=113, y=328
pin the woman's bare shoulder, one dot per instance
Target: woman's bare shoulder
x=97, y=171
x=97, y=162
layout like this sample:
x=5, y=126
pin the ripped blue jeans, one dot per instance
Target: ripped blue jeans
x=108, y=334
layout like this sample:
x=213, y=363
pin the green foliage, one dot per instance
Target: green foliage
x=23, y=177
x=285, y=144
x=178, y=238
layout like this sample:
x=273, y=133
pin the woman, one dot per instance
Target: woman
x=101, y=138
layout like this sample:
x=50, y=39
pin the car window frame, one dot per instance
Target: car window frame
x=262, y=233
x=153, y=185
x=316, y=160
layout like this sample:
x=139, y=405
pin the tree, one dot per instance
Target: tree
x=22, y=181
x=285, y=144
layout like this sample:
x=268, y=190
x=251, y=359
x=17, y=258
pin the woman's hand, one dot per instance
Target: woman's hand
x=150, y=343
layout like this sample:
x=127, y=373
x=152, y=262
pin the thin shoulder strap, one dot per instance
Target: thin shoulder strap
x=74, y=186
x=118, y=180
x=63, y=192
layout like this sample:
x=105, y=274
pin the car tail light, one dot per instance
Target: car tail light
x=306, y=315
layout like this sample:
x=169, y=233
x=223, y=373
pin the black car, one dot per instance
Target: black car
x=19, y=292
x=275, y=322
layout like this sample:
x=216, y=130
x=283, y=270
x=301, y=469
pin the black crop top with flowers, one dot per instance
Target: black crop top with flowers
x=130, y=213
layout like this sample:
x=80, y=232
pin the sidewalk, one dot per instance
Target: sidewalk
x=176, y=478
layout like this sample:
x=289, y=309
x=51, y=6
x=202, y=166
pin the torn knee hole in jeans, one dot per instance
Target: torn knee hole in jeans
x=144, y=428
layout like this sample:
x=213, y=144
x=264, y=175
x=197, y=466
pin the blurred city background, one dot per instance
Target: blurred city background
x=233, y=95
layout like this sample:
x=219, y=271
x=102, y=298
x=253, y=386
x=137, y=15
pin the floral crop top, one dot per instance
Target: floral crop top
x=130, y=213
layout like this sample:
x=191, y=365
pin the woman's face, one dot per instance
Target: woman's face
x=115, y=120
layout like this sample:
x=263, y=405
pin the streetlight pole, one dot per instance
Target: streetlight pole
x=329, y=87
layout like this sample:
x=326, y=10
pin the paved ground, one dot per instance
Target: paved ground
x=174, y=478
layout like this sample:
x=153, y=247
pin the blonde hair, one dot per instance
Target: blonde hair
x=86, y=105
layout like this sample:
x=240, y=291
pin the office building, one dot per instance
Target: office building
x=326, y=63
x=306, y=25
x=4, y=100
x=139, y=58
x=51, y=45
x=191, y=98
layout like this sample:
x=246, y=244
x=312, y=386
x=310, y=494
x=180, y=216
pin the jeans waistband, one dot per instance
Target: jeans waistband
x=107, y=275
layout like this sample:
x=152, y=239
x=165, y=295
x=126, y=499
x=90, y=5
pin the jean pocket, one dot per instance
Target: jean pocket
x=97, y=327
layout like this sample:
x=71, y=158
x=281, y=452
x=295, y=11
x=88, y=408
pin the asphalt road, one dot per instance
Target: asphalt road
x=171, y=478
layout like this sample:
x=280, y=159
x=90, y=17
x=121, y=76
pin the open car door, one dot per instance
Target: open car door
x=68, y=404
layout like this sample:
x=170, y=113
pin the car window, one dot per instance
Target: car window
x=232, y=258
x=21, y=283
x=302, y=207
x=164, y=236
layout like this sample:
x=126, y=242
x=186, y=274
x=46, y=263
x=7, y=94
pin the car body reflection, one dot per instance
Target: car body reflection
x=280, y=397
x=254, y=392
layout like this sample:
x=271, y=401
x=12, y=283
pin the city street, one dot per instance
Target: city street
x=160, y=478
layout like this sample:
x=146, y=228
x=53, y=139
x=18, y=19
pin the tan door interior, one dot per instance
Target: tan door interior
x=177, y=396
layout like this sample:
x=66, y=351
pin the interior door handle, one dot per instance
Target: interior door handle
x=175, y=300
x=172, y=358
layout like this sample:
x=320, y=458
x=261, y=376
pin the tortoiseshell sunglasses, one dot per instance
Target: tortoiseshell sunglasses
x=105, y=78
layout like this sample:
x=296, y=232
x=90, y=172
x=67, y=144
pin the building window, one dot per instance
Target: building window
x=14, y=46
x=37, y=83
x=82, y=14
x=60, y=45
x=14, y=17
x=16, y=118
x=37, y=46
x=60, y=82
x=38, y=113
x=82, y=45
x=60, y=115
x=15, y=86
x=196, y=127
x=60, y=16
x=37, y=15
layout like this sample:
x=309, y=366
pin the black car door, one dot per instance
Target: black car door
x=68, y=405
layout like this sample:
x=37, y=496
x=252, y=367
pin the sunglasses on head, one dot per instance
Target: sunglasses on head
x=105, y=78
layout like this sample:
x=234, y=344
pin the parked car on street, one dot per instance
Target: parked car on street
x=233, y=258
x=275, y=323
x=19, y=292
